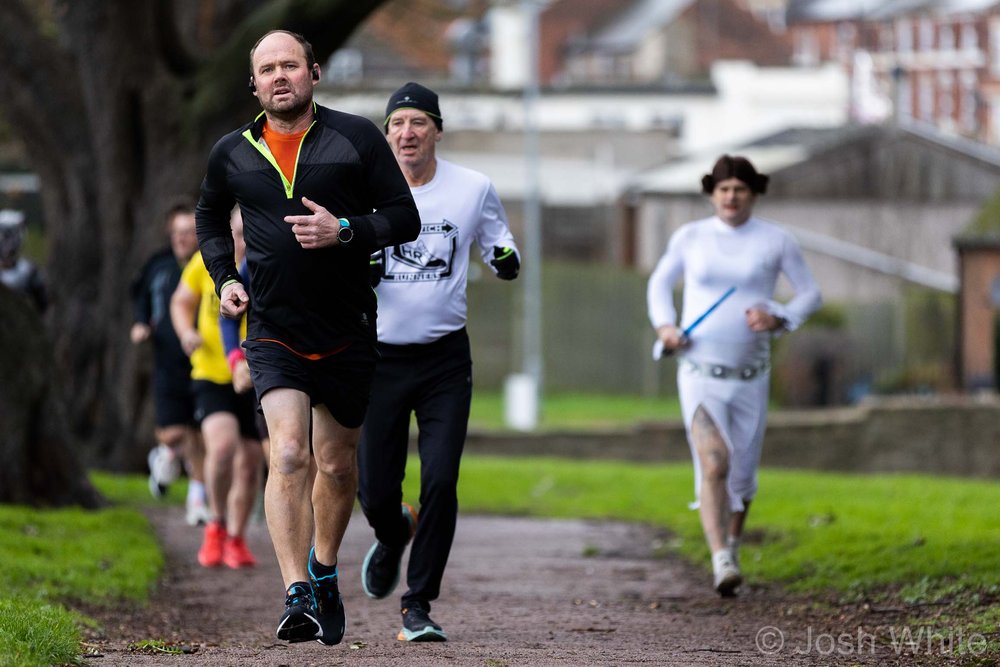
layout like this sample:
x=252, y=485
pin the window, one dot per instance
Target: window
x=604, y=67
x=885, y=38
x=847, y=37
x=904, y=36
x=946, y=98
x=806, y=49
x=994, y=120
x=926, y=34
x=946, y=37
x=925, y=98
x=970, y=40
x=905, y=97
x=995, y=46
x=969, y=97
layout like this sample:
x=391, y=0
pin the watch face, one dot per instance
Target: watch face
x=345, y=234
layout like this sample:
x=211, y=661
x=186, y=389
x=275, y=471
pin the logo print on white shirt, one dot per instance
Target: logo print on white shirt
x=430, y=257
x=417, y=255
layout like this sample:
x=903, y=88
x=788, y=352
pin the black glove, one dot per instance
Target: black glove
x=506, y=263
x=376, y=268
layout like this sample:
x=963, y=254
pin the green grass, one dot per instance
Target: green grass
x=77, y=554
x=56, y=557
x=577, y=411
x=36, y=634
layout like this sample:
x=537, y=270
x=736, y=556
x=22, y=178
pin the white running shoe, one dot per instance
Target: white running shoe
x=727, y=573
x=164, y=469
x=196, y=512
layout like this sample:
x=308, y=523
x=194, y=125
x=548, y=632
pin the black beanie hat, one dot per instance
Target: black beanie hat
x=414, y=96
x=734, y=166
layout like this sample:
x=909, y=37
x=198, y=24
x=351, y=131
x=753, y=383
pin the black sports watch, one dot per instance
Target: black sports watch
x=346, y=233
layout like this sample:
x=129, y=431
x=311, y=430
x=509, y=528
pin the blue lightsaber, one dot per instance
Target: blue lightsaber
x=698, y=320
x=708, y=311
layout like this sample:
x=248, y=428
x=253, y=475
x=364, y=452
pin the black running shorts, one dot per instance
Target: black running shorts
x=173, y=400
x=342, y=381
x=210, y=398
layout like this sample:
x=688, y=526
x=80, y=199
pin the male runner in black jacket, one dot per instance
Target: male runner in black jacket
x=320, y=191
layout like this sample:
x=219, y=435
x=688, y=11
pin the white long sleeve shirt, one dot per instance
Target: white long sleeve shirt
x=712, y=256
x=422, y=294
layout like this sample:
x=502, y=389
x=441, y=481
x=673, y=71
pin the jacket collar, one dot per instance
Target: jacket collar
x=257, y=126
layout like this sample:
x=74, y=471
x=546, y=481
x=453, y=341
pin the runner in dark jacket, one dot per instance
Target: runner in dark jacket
x=320, y=191
x=176, y=435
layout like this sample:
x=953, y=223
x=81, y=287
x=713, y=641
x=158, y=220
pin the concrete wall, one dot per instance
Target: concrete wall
x=947, y=436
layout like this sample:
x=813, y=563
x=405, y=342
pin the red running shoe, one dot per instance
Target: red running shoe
x=210, y=553
x=236, y=553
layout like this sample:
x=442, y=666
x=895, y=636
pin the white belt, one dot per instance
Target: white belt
x=725, y=372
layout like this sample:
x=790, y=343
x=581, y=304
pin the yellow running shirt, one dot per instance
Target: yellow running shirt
x=209, y=361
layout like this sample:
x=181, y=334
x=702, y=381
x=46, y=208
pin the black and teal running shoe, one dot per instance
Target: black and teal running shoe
x=380, y=569
x=299, y=622
x=328, y=603
x=418, y=626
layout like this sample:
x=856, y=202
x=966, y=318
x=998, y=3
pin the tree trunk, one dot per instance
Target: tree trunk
x=40, y=465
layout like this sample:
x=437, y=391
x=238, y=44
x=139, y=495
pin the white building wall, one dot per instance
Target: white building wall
x=756, y=101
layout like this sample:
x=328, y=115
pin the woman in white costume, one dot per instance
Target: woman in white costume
x=724, y=365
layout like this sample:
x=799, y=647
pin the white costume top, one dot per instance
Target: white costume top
x=712, y=256
x=422, y=294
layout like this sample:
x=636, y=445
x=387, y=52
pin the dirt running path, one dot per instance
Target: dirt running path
x=517, y=592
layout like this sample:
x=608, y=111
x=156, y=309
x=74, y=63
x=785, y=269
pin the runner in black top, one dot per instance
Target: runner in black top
x=320, y=191
x=176, y=435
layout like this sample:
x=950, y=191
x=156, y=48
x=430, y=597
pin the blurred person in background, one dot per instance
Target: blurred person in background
x=233, y=456
x=176, y=433
x=16, y=272
x=729, y=264
x=233, y=332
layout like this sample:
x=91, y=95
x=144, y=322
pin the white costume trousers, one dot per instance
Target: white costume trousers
x=739, y=410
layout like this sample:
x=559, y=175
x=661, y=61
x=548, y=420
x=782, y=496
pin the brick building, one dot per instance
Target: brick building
x=656, y=41
x=582, y=42
x=936, y=62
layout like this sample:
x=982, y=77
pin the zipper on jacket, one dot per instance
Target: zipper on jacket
x=264, y=150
